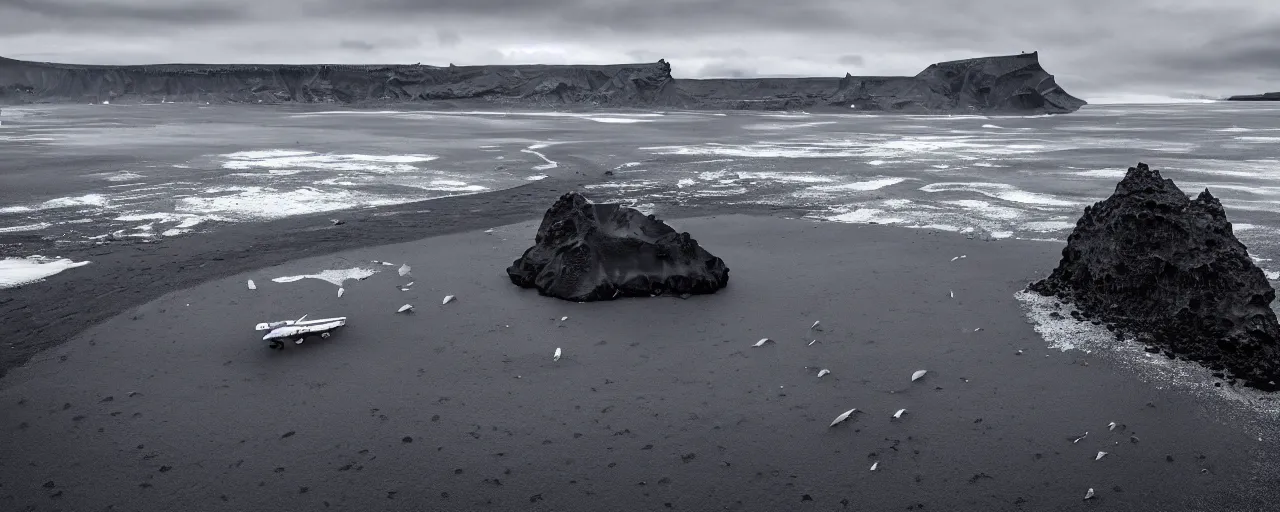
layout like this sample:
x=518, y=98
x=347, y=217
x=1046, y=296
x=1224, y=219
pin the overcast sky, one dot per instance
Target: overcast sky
x=1098, y=49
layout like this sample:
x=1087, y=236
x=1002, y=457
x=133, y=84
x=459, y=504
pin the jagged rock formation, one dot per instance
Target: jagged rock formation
x=1014, y=84
x=586, y=252
x=1169, y=270
x=1266, y=96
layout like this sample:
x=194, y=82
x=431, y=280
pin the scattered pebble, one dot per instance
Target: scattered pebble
x=404, y=270
x=564, y=318
x=1111, y=426
x=898, y=415
x=1079, y=437
x=447, y=299
x=252, y=286
x=815, y=324
x=1088, y=494
x=823, y=371
x=762, y=342
x=341, y=291
x=918, y=375
x=406, y=307
x=556, y=357
x=812, y=342
x=1100, y=456
x=875, y=465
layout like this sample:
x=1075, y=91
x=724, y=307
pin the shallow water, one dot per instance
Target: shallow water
x=150, y=171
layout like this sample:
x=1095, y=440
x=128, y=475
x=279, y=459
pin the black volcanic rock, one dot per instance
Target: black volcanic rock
x=1010, y=83
x=1266, y=96
x=1013, y=84
x=586, y=252
x=1170, y=270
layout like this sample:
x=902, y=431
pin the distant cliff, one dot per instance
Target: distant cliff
x=1266, y=96
x=1014, y=84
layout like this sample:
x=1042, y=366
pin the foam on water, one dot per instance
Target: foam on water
x=1259, y=139
x=450, y=186
x=16, y=209
x=265, y=203
x=622, y=185
x=15, y=272
x=26, y=227
x=182, y=222
x=550, y=164
x=988, y=210
x=1000, y=191
x=784, y=177
x=1048, y=226
x=619, y=120
x=97, y=200
x=858, y=186
x=292, y=160
x=1102, y=173
x=1259, y=410
x=785, y=126
x=865, y=216
x=121, y=176
x=334, y=276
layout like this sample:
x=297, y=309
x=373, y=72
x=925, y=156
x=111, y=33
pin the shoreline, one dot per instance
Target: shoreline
x=174, y=407
x=125, y=274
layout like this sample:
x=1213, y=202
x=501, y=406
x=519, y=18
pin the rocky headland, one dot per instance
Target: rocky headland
x=1012, y=84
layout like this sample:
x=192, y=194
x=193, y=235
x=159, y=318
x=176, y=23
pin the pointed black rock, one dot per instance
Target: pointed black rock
x=1169, y=270
x=586, y=252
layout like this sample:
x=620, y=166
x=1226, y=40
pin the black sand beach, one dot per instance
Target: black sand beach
x=656, y=404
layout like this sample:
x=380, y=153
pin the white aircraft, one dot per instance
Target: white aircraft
x=299, y=330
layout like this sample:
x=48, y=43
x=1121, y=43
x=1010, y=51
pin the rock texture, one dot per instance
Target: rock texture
x=1266, y=96
x=1169, y=270
x=1014, y=83
x=586, y=252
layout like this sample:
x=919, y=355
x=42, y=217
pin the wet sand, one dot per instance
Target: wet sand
x=656, y=404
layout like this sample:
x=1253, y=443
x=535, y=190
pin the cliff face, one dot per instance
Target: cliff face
x=1266, y=96
x=1014, y=83
x=621, y=85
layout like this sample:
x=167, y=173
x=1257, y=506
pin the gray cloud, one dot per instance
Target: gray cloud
x=363, y=46
x=448, y=38
x=725, y=71
x=1093, y=46
x=850, y=60
x=108, y=10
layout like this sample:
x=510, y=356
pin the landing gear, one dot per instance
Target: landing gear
x=276, y=345
x=325, y=335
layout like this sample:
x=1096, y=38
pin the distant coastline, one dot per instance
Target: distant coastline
x=1014, y=84
x=1266, y=96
